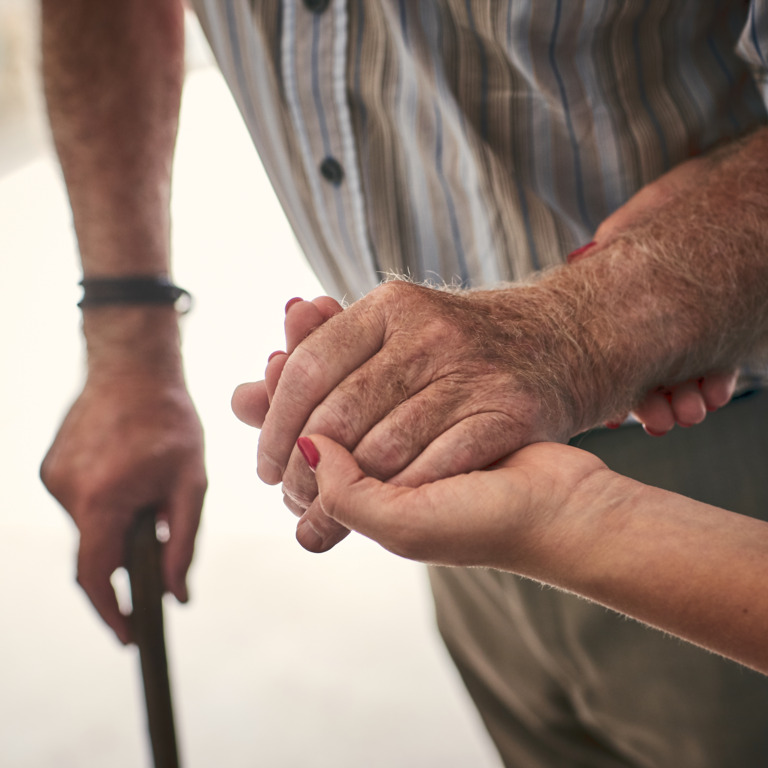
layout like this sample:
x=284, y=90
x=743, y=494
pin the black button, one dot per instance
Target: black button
x=332, y=171
x=316, y=6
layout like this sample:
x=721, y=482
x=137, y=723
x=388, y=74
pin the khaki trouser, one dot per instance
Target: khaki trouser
x=561, y=682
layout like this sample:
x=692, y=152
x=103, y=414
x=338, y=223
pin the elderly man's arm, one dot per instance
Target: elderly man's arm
x=113, y=74
x=558, y=515
x=425, y=384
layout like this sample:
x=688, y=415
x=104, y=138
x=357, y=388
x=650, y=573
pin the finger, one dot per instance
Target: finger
x=295, y=507
x=473, y=443
x=327, y=306
x=395, y=427
x=688, y=404
x=250, y=403
x=655, y=414
x=717, y=389
x=275, y=366
x=183, y=515
x=316, y=367
x=301, y=319
x=317, y=532
x=97, y=560
x=476, y=432
x=348, y=498
x=299, y=323
x=429, y=523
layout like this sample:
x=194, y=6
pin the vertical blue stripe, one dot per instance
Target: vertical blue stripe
x=581, y=199
x=641, y=88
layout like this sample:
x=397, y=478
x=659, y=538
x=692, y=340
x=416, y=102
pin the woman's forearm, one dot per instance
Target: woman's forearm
x=696, y=571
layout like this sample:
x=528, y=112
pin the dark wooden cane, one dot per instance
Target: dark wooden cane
x=143, y=564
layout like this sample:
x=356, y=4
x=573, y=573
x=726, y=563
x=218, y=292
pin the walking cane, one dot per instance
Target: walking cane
x=145, y=573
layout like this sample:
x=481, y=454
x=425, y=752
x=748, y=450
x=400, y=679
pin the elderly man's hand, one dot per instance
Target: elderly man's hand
x=127, y=444
x=427, y=385
x=660, y=409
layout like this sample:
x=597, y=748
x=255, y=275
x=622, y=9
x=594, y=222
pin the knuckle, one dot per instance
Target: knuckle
x=387, y=453
x=303, y=370
x=397, y=293
x=334, y=418
x=392, y=288
x=295, y=508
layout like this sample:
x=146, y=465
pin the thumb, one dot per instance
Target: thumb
x=250, y=403
x=345, y=492
x=336, y=471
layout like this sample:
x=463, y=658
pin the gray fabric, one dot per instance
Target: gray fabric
x=563, y=682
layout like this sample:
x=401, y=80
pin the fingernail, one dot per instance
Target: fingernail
x=291, y=303
x=308, y=451
x=612, y=424
x=579, y=252
x=652, y=433
x=275, y=354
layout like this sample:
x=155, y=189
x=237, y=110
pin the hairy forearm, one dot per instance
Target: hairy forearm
x=676, y=564
x=112, y=75
x=677, y=290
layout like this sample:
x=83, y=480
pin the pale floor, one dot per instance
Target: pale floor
x=282, y=658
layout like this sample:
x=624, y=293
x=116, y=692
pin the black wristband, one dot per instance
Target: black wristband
x=148, y=289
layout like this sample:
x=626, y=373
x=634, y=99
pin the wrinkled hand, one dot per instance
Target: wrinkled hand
x=430, y=385
x=499, y=518
x=125, y=445
x=685, y=404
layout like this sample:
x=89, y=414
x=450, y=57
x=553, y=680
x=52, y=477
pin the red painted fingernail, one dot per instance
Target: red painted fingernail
x=275, y=354
x=291, y=303
x=652, y=433
x=612, y=424
x=579, y=252
x=308, y=451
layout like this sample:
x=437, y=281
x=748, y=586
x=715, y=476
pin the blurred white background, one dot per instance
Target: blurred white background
x=282, y=658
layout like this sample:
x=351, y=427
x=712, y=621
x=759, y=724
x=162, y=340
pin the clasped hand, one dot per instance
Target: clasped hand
x=419, y=385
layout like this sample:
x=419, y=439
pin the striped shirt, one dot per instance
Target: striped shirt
x=474, y=142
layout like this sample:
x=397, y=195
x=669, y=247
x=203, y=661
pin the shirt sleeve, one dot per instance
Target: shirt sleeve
x=753, y=43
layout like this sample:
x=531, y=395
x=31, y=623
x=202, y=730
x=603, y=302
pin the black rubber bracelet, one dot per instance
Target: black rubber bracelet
x=150, y=289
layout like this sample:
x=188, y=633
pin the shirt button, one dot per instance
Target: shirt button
x=316, y=6
x=332, y=171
